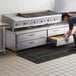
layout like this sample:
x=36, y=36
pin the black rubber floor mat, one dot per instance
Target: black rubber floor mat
x=45, y=53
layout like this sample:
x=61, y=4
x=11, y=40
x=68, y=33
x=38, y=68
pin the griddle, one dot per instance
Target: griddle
x=37, y=14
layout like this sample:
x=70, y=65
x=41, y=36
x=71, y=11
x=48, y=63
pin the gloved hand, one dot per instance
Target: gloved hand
x=66, y=36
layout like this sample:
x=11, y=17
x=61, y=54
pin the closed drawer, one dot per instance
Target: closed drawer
x=32, y=43
x=32, y=35
x=59, y=40
x=56, y=31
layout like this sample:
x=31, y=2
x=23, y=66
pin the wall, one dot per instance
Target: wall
x=65, y=5
x=16, y=6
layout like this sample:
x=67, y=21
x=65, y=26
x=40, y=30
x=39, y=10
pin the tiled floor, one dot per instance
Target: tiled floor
x=12, y=65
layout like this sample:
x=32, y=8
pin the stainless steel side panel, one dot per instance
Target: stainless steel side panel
x=10, y=40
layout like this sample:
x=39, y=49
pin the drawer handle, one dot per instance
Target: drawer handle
x=31, y=34
x=30, y=42
x=55, y=30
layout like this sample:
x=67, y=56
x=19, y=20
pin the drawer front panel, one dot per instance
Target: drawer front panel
x=60, y=41
x=32, y=43
x=30, y=36
x=63, y=42
x=56, y=31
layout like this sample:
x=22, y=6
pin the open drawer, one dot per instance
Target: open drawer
x=59, y=40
